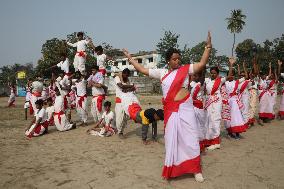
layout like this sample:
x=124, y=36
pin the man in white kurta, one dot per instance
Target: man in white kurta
x=96, y=81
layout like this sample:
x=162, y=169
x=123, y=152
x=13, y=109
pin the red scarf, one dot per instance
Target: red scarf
x=216, y=85
x=170, y=105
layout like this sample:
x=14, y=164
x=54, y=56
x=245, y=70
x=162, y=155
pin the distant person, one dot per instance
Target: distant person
x=80, y=56
x=101, y=59
x=12, y=97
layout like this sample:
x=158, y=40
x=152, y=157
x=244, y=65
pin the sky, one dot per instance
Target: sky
x=132, y=24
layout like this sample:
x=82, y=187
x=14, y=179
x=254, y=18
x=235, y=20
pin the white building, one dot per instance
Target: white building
x=147, y=59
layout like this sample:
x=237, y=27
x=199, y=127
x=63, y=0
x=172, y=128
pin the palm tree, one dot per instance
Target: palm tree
x=235, y=24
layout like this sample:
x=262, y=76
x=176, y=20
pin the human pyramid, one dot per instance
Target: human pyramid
x=194, y=106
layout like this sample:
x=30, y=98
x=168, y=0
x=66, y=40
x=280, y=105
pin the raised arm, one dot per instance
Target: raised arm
x=232, y=61
x=198, y=67
x=239, y=70
x=255, y=69
x=136, y=65
x=71, y=44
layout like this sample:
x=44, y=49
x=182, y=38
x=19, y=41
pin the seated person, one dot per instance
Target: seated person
x=39, y=124
x=105, y=126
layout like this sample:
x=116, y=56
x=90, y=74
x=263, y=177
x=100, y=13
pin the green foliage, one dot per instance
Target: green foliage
x=8, y=74
x=235, y=24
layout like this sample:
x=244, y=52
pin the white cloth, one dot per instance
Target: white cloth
x=49, y=110
x=81, y=45
x=81, y=87
x=108, y=119
x=244, y=97
x=236, y=118
x=101, y=60
x=181, y=132
x=63, y=124
x=64, y=65
x=97, y=115
x=160, y=73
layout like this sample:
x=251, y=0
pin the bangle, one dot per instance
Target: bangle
x=208, y=47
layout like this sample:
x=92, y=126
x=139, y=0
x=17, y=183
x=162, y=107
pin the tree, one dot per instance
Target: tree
x=196, y=53
x=235, y=24
x=169, y=40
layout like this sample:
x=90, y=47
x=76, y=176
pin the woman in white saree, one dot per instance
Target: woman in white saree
x=181, y=129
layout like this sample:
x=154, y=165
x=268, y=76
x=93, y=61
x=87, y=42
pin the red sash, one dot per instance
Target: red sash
x=68, y=74
x=81, y=54
x=197, y=103
x=59, y=115
x=216, y=85
x=37, y=94
x=65, y=102
x=103, y=71
x=271, y=84
x=244, y=86
x=170, y=105
x=235, y=89
x=100, y=99
x=117, y=100
x=81, y=99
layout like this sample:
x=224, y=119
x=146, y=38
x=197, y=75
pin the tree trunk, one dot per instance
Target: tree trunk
x=233, y=45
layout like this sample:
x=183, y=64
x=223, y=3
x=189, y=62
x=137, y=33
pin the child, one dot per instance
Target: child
x=12, y=98
x=105, y=126
x=81, y=98
x=145, y=117
x=80, y=56
x=39, y=124
x=50, y=111
x=101, y=59
x=132, y=108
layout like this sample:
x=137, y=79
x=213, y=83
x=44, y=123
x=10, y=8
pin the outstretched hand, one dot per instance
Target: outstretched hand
x=208, y=41
x=126, y=53
x=279, y=62
x=232, y=61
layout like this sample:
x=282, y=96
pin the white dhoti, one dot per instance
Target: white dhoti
x=81, y=106
x=38, y=130
x=61, y=122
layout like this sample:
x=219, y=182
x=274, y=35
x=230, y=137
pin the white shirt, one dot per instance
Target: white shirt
x=81, y=87
x=49, y=110
x=101, y=59
x=97, y=78
x=81, y=45
x=37, y=86
x=108, y=119
x=58, y=104
x=41, y=114
x=65, y=83
x=64, y=65
x=118, y=91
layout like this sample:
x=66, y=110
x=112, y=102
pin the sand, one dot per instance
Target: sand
x=74, y=159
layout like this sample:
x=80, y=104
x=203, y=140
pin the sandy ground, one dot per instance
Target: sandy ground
x=74, y=159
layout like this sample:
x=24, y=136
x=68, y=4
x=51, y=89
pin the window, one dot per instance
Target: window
x=139, y=60
x=124, y=62
x=150, y=59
